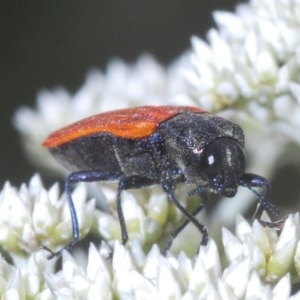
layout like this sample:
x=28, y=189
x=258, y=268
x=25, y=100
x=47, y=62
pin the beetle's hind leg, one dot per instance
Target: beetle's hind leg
x=73, y=178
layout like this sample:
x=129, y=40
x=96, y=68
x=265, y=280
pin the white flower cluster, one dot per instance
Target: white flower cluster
x=257, y=266
x=32, y=217
x=252, y=62
x=153, y=276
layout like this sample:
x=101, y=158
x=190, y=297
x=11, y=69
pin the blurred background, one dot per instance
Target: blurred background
x=46, y=44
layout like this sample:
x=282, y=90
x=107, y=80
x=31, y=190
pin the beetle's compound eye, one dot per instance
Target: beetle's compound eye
x=211, y=162
x=223, y=163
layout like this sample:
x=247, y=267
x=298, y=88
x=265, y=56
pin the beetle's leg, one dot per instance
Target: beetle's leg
x=126, y=183
x=81, y=176
x=120, y=213
x=175, y=233
x=168, y=188
x=252, y=181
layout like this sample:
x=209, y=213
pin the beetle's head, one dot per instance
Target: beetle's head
x=221, y=165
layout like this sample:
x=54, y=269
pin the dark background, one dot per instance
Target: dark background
x=54, y=43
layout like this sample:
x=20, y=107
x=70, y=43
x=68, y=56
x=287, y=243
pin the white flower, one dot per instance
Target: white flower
x=271, y=256
x=33, y=216
x=74, y=282
x=26, y=280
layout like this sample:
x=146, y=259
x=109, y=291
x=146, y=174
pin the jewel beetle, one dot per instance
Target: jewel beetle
x=148, y=145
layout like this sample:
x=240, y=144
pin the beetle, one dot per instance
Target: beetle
x=148, y=145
